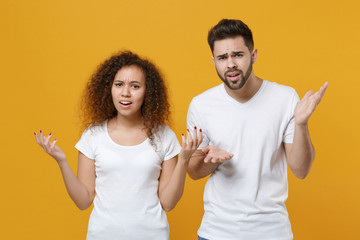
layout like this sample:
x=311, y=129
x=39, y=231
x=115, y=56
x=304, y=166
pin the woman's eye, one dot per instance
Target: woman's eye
x=135, y=86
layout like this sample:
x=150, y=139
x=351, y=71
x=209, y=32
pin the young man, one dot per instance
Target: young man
x=252, y=129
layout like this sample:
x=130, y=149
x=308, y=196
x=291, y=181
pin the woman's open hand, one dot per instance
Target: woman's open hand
x=50, y=147
x=190, y=144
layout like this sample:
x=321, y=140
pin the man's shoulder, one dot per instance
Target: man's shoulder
x=279, y=89
x=210, y=93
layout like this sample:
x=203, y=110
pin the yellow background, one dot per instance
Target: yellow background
x=48, y=49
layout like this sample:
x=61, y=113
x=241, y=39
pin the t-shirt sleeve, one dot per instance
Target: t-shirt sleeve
x=288, y=136
x=193, y=119
x=171, y=146
x=85, y=144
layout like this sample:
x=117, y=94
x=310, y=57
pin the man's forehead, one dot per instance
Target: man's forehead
x=229, y=45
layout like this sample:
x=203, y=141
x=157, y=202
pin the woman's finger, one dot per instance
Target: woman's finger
x=37, y=138
x=183, y=140
x=189, y=139
x=200, y=138
x=41, y=137
x=52, y=146
x=194, y=136
x=47, y=139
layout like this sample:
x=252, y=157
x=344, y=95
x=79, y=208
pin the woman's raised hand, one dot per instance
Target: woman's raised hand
x=190, y=144
x=50, y=147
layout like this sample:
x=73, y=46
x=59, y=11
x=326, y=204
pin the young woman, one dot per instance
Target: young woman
x=128, y=156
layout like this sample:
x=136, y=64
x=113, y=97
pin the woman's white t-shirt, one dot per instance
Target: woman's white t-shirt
x=126, y=205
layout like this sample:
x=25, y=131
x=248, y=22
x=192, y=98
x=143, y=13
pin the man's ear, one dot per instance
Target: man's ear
x=254, y=55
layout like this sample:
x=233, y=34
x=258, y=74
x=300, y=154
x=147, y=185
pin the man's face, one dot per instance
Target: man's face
x=233, y=61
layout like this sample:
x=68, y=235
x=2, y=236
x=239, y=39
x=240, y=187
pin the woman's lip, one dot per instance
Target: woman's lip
x=125, y=106
x=125, y=102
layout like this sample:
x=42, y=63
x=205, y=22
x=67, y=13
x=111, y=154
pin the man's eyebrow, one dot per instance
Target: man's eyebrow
x=237, y=52
x=222, y=55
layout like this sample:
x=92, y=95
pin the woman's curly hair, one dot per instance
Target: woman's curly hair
x=97, y=105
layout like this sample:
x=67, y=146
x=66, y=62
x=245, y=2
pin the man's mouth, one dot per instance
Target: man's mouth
x=233, y=76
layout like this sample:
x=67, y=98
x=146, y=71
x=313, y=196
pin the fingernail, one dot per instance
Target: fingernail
x=200, y=130
x=55, y=139
x=187, y=130
x=40, y=131
x=195, y=127
x=182, y=134
x=50, y=134
x=34, y=133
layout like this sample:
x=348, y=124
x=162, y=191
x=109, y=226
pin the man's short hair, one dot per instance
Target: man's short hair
x=230, y=28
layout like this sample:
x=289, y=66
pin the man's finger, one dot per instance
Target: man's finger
x=205, y=149
x=207, y=159
x=323, y=89
x=308, y=94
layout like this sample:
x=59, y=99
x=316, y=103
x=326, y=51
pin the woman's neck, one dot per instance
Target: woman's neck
x=128, y=123
x=127, y=132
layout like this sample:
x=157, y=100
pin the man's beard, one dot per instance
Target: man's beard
x=241, y=82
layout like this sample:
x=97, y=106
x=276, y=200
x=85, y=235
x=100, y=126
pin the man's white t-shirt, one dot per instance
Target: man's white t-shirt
x=244, y=197
x=126, y=205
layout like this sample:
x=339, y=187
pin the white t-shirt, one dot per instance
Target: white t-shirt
x=126, y=205
x=244, y=197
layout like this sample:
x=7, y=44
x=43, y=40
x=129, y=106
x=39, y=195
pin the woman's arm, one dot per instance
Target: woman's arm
x=81, y=188
x=173, y=173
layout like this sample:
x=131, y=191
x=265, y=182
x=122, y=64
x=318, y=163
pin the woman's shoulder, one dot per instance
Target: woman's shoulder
x=95, y=129
x=164, y=130
x=167, y=143
x=164, y=135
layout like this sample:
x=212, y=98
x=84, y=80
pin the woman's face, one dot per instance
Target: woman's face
x=128, y=91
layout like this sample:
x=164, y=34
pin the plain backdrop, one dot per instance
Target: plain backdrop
x=48, y=49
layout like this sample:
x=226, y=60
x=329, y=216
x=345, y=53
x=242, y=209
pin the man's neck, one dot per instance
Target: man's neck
x=245, y=93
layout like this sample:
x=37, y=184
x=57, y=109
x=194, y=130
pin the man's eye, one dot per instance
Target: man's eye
x=238, y=55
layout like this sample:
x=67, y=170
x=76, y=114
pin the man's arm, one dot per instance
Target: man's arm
x=204, y=162
x=300, y=154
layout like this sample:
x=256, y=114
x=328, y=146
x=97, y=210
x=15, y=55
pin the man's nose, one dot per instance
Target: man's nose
x=231, y=63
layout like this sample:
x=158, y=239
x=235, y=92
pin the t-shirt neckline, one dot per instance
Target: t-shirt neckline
x=250, y=101
x=105, y=127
